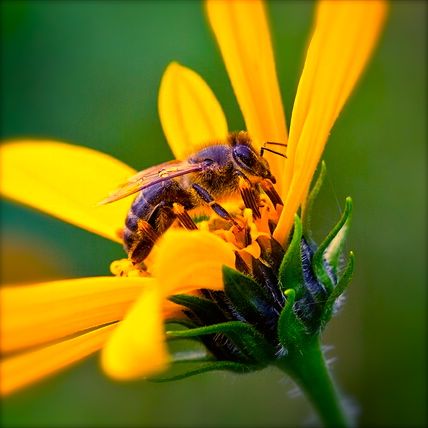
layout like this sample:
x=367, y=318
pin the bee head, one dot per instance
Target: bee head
x=247, y=158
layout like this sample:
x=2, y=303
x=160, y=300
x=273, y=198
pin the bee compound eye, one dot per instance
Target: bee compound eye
x=244, y=156
x=208, y=162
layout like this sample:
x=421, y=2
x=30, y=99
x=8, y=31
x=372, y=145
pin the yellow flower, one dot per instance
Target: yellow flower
x=46, y=327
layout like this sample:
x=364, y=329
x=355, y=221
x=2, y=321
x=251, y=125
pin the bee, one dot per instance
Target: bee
x=219, y=171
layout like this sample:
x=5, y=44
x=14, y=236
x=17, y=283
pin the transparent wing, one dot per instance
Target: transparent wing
x=151, y=176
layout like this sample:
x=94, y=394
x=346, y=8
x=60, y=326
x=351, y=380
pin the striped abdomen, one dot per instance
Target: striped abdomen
x=151, y=215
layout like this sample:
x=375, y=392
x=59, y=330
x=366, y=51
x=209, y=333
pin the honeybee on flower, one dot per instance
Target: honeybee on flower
x=219, y=171
x=257, y=293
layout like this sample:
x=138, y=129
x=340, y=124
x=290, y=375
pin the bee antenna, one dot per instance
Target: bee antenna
x=263, y=149
x=276, y=144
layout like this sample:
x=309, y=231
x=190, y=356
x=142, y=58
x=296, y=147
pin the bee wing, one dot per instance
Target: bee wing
x=152, y=176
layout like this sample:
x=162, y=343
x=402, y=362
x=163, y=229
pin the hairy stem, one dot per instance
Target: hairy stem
x=308, y=369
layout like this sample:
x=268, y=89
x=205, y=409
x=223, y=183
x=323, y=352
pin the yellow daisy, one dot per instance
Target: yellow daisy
x=46, y=327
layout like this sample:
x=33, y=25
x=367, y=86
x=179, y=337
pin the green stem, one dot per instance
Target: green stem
x=308, y=369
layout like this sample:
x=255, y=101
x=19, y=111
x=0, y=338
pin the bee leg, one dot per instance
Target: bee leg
x=272, y=194
x=250, y=196
x=183, y=216
x=141, y=247
x=217, y=208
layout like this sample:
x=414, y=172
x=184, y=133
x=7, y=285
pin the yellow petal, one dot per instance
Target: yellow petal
x=137, y=347
x=65, y=181
x=189, y=112
x=343, y=40
x=242, y=32
x=21, y=370
x=188, y=260
x=36, y=314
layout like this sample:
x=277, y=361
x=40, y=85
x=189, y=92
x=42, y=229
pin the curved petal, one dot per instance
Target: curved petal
x=242, y=32
x=40, y=313
x=188, y=260
x=343, y=40
x=65, y=181
x=137, y=347
x=189, y=112
x=21, y=370
x=183, y=261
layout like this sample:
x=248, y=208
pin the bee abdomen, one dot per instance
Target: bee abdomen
x=129, y=237
x=140, y=210
x=143, y=226
x=131, y=222
x=150, y=215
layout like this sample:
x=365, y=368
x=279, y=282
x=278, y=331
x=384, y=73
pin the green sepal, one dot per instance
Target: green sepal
x=335, y=248
x=188, y=351
x=249, y=299
x=183, y=322
x=249, y=341
x=191, y=349
x=203, y=308
x=216, y=365
x=331, y=246
x=291, y=331
x=309, y=203
x=338, y=290
x=290, y=272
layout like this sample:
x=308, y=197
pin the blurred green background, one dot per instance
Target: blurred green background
x=89, y=72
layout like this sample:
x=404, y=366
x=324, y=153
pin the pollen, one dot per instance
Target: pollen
x=125, y=267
